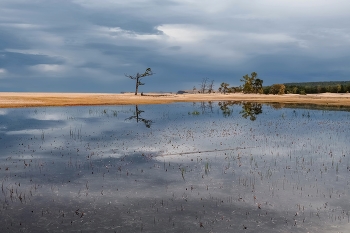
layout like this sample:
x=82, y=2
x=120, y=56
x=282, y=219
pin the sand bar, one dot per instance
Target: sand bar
x=19, y=100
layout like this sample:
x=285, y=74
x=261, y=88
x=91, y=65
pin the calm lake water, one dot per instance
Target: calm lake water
x=186, y=167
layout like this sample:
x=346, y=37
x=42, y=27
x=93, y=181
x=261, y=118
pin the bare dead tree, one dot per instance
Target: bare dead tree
x=211, y=86
x=138, y=78
x=203, y=85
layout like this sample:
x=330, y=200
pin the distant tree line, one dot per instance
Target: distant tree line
x=252, y=84
x=323, y=83
x=312, y=87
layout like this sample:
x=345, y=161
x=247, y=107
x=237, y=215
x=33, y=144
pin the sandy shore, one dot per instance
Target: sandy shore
x=16, y=100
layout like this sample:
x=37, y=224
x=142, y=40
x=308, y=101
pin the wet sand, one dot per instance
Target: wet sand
x=17, y=100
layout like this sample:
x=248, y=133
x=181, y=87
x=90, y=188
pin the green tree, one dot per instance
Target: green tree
x=343, y=90
x=238, y=89
x=319, y=89
x=138, y=78
x=257, y=86
x=232, y=89
x=277, y=89
x=224, y=87
x=247, y=86
x=295, y=90
x=338, y=88
x=252, y=84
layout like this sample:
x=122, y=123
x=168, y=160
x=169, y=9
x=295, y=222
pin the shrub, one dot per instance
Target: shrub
x=277, y=89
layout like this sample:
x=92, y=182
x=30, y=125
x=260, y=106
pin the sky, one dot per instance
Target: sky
x=89, y=45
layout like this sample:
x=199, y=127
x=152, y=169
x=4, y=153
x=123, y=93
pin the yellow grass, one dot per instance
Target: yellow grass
x=14, y=100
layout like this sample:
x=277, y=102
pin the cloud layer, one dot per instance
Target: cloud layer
x=88, y=46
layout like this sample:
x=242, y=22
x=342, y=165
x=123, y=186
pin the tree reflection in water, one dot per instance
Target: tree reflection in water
x=225, y=107
x=207, y=107
x=137, y=116
x=251, y=110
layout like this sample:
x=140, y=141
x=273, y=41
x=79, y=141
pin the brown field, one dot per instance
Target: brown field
x=16, y=100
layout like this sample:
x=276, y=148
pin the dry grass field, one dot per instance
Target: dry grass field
x=15, y=100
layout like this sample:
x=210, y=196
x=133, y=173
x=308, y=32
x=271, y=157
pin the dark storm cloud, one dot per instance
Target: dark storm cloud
x=9, y=40
x=12, y=59
x=86, y=45
x=175, y=47
x=111, y=49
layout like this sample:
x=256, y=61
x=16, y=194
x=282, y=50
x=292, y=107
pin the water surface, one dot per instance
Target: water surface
x=185, y=167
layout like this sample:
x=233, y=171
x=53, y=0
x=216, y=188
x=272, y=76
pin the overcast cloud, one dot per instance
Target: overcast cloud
x=88, y=45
